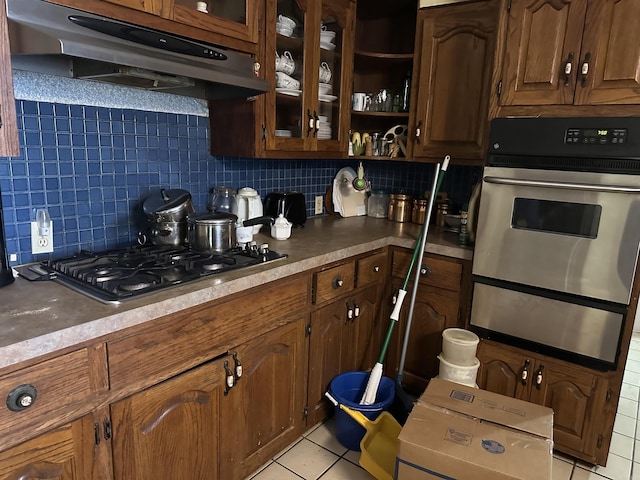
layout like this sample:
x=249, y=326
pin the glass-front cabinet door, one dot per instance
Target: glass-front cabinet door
x=233, y=18
x=311, y=44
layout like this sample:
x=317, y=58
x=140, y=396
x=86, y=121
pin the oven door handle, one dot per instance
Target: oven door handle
x=563, y=185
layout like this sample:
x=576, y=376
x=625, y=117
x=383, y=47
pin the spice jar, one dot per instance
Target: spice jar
x=378, y=204
x=400, y=207
x=419, y=210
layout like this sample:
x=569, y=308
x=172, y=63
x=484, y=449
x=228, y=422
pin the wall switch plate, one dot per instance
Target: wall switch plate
x=319, y=204
x=41, y=243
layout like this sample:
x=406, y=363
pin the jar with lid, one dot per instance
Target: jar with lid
x=419, y=210
x=378, y=204
x=400, y=207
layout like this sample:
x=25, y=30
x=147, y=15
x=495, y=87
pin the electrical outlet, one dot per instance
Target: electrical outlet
x=41, y=241
x=319, y=204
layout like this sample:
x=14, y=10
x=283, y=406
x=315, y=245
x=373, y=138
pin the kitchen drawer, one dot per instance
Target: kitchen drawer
x=172, y=344
x=442, y=272
x=334, y=282
x=371, y=269
x=64, y=387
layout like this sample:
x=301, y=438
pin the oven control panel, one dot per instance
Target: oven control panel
x=597, y=136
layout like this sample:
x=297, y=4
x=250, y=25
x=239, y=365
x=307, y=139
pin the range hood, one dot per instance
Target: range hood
x=49, y=38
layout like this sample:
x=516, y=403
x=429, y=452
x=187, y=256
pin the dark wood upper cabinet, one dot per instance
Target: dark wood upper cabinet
x=455, y=48
x=569, y=53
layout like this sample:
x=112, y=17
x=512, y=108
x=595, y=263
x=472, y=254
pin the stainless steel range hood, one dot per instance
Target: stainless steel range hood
x=50, y=38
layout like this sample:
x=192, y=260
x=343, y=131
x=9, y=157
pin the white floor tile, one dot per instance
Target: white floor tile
x=561, y=469
x=275, y=472
x=308, y=459
x=634, y=354
x=352, y=456
x=325, y=436
x=344, y=470
x=617, y=468
x=635, y=473
x=622, y=446
x=628, y=408
x=625, y=425
x=633, y=364
x=631, y=377
x=636, y=454
x=632, y=392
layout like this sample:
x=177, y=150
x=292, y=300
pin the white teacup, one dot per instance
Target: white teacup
x=284, y=30
x=285, y=81
x=289, y=22
x=285, y=63
x=324, y=73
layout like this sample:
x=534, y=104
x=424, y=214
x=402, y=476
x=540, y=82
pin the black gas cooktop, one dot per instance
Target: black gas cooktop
x=117, y=275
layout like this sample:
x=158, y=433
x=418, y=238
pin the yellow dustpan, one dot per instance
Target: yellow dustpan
x=379, y=445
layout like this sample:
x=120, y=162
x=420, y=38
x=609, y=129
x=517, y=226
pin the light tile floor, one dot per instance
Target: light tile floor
x=318, y=455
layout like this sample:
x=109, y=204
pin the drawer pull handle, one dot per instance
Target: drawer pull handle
x=21, y=398
x=376, y=269
x=337, y=282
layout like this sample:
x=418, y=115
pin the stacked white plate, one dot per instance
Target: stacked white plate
x=324, y=129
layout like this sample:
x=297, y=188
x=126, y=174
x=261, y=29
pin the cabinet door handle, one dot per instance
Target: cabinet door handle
x=425, y=270
x=238, y=366
x=524, y=373
x=356, y=310
x=230, y=380
x=317, y=123
x=350, y=312
x=584, y=69
x=568, y=66
x=418, y=131
x=310, y=122
x=106, y=424
x=539, y=377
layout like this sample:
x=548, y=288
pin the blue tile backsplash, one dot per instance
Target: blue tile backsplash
x=92, y=166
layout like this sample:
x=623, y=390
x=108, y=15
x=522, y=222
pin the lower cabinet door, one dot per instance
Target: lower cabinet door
x=65, y=453
x=171, y=429
x=264, y=410
x=504, y=372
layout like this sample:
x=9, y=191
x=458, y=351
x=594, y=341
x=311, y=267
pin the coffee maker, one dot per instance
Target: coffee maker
x=6, y=275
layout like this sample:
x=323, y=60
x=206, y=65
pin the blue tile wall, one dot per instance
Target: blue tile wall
x=92, y=166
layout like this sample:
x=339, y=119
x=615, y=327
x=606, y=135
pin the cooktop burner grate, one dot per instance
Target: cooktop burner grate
x=117, y=275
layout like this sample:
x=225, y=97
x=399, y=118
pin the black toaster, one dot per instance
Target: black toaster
x=295, y=209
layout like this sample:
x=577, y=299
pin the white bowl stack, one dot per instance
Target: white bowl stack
x=458, y=362
x=324, y=129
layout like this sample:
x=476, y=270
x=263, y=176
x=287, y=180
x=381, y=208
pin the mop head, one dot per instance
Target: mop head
x=371, y=391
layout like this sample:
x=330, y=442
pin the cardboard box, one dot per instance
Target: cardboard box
x=463, y=433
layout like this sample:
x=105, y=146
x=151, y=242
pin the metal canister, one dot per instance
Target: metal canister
x=400, y=207
x=419, y=210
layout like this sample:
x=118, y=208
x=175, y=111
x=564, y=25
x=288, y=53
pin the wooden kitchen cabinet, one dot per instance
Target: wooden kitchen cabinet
x=9, y=146
x=568, y=53
x=233, y=24
x=264, y=410
x=290, y=122
x=579, y=397
x=65, y=453
x=454, y=48
x=438, y=306
x=344, y=334
x=383, y=55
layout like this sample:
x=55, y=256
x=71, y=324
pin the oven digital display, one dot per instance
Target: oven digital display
x=596, y=136
x=563, y=218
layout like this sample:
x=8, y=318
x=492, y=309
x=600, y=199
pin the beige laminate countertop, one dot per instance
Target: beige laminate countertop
x=39, y=318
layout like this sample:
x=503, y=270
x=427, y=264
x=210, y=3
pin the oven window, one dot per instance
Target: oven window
x=565, y=218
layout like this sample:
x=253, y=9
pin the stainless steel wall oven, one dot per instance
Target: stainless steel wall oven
x=558, y=236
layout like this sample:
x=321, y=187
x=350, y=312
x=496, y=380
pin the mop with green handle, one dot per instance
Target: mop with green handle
x=371, y=390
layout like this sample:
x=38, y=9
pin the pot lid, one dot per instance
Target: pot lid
x=212, y=218
x=165, y=200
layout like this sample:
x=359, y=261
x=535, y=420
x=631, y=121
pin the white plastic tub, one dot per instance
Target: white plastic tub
x=466, y=375
x=459, y=346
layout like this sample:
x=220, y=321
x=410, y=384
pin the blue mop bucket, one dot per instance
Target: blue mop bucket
x=348, y=388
